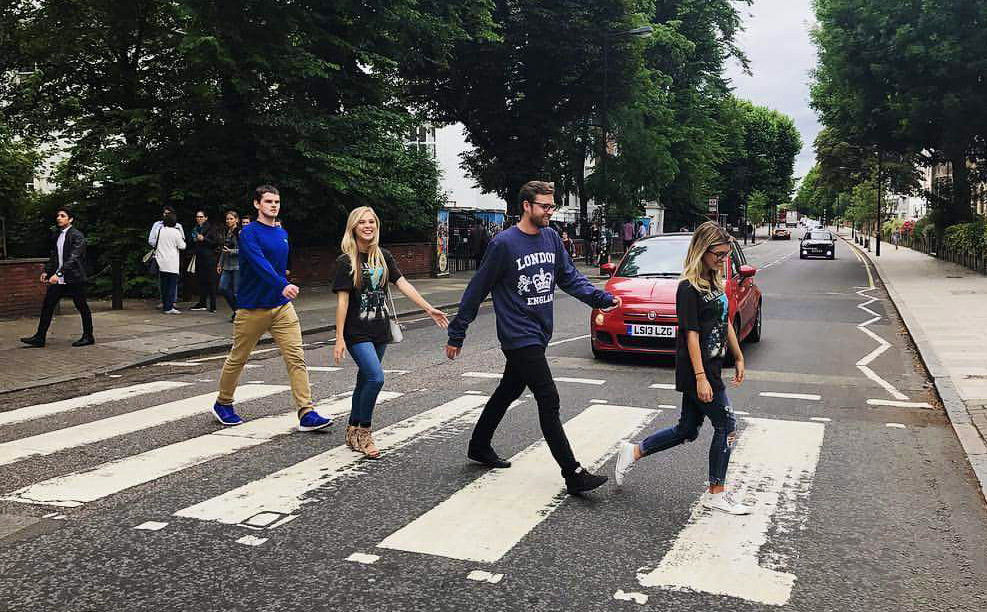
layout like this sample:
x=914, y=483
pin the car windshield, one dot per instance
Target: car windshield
x=661, y=258
x=820, y=236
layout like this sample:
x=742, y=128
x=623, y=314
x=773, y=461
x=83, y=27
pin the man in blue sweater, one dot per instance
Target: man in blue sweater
x=522, y=266
x=264, y=305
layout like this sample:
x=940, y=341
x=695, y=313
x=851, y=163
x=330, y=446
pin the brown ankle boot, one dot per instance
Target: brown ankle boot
x=351, y=437
x=365, y=443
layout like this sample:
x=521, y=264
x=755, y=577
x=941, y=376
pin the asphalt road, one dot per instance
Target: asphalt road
x=858, y=506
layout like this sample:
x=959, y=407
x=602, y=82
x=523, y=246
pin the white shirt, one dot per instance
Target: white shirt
x=153, y=235
x=170, y=242
x=60, y=245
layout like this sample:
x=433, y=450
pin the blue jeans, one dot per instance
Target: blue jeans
x=369, y=381
x=720, y=413
x=229, y=280
x=169, y=284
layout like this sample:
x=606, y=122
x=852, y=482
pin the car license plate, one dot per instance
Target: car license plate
x=654, y=331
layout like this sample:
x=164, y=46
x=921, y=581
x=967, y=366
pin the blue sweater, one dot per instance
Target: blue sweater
x=263, y=259
x=522, y=271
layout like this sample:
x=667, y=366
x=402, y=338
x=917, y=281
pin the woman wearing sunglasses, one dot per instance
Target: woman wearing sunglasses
x=705, y=332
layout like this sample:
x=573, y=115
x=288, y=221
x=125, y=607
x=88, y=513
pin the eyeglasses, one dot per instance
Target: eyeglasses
x=719, y=255
x=546, y=207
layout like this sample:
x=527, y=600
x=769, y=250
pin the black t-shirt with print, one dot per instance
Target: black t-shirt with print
x=369, y=307
x=706, y=314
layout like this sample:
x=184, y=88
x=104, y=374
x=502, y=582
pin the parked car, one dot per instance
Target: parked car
x=781, y=233
x=646, y=280
x=818, y=243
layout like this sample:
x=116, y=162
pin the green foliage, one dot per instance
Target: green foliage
x=18, y=163
x=970, y=238
x=759, y=208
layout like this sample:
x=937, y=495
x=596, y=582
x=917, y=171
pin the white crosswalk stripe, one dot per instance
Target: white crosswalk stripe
x=103, y=429
x=485, y=519
x=273, y=500
x=78, y=488
x=85, y=401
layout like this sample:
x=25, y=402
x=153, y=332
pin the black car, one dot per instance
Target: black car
x=818, y=243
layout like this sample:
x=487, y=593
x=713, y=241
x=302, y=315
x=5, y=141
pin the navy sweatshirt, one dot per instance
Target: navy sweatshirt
x=263, y=257
x=522, y=270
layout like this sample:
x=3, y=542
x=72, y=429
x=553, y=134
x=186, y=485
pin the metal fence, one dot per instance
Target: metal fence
x=932, y=245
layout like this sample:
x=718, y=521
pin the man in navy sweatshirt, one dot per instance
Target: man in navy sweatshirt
x=264, y=305
x=522, y=266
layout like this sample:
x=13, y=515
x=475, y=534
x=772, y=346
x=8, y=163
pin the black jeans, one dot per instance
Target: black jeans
x=527, y=367
x=77, y=291
x=205, y=273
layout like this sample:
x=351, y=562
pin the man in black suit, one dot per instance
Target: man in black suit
x=65, y=274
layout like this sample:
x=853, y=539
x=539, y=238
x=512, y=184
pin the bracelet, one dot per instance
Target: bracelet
x=698, y=374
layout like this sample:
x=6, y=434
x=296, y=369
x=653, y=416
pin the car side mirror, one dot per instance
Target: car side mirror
x=608, y=269
x=747, y=271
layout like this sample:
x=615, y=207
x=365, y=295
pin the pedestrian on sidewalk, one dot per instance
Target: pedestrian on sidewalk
x=152, y=238
x=363, y=318
x=522, y=267
x=628, y=234
x=705, y=332
x=567, y=243
x=64, y=274
x=170, y=242
x=205, y=241
x=264, y=305
x=229, y=261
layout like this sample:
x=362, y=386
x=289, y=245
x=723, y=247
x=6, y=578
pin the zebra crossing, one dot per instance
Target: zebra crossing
x=481, y=522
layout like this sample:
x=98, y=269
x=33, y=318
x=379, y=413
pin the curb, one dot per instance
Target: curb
x=222, y=345
x=970, y=439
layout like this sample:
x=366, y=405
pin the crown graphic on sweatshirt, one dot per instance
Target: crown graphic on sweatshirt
x=542, y=280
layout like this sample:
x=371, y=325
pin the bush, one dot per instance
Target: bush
x=924, y=226
x=967, y=237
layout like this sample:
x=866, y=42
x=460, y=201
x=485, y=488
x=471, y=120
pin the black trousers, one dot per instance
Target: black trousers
x=205, y=273
x=77, y=291
x=527, y=367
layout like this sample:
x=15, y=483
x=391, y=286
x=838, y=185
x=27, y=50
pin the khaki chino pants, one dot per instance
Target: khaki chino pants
x=248, y=327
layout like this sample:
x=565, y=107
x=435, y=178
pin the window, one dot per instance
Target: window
x=423, y=138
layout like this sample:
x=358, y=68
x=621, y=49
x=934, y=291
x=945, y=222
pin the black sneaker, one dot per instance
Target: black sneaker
x=583, y=481
x=198, y=307
x=85, y=340
x=35, y=341
x=487, y=456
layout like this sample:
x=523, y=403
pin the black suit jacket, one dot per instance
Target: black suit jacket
x=73, y=268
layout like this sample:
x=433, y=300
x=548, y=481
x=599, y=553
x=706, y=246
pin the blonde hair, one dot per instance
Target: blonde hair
x=375, y=257
x=705, y=237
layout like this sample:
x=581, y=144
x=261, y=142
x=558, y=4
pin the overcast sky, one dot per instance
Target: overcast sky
x=781, y=55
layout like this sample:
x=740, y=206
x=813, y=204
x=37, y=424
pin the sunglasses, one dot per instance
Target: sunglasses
x=720, y=255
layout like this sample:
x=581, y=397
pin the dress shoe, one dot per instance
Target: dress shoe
x=84, y=341
x=487, y=456
x=35, y=341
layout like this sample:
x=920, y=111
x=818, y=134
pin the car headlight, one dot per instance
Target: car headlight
x=599, y=318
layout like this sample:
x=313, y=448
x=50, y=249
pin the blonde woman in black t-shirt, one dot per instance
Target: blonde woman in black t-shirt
x=362, y=317
x=704, y=334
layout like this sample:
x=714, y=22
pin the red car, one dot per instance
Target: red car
x=646, y=280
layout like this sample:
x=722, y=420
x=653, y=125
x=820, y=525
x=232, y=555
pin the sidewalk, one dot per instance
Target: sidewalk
x=942, y=304
x=141, y=335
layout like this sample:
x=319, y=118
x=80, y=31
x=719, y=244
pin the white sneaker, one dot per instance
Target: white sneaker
x=625, y=459
x=723, y=503
x=173, y=311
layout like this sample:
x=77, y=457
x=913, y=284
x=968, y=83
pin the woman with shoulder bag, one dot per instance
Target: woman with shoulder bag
x=364, y=317
x=229, y=261
x=205, y=242
x=705, y=333
x=166, y=252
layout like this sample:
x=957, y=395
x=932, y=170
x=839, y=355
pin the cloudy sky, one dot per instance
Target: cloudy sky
x=781, y=55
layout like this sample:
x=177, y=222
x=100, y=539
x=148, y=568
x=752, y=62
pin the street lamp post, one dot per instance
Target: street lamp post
x=880, y=180
x=642, y=32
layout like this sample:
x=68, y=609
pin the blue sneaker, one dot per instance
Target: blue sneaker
x=226, y=415
x=312, y=421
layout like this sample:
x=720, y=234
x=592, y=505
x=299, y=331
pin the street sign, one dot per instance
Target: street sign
x=714, y=206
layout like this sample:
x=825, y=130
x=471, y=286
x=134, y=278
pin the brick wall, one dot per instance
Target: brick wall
x=22, y=293
x=317, y=265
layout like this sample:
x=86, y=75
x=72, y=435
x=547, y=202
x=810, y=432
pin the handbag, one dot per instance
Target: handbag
x=191, y=265
x=149, y=258
x=397, y=334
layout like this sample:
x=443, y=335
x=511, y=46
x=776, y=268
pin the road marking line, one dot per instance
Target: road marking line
x=179, y=364
x=284, y=492
x=557, y=342
x=473, y=392
x=28, y=413
x=820, y=419
x=481, y=375
x=485, y=519
x=484, y=576
x=71, y=437
x=895, y=425
x=741, y=412
x=667, y=406
x=580, y=381
x=396, y=372
x=151, y=526
x=668, y=386
x=364, y=558
x=871, y=374
x=599, y=401
x=879, y=402
x=720, y=554
x=638, y=598
x=801, y=396
x=323, y=369
x=78, y=488
x=250, y=540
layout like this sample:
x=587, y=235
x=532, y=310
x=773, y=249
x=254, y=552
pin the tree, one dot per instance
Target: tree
x=18, y=162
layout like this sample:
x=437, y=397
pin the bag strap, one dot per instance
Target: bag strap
x=394, y=310
x=157, y=239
